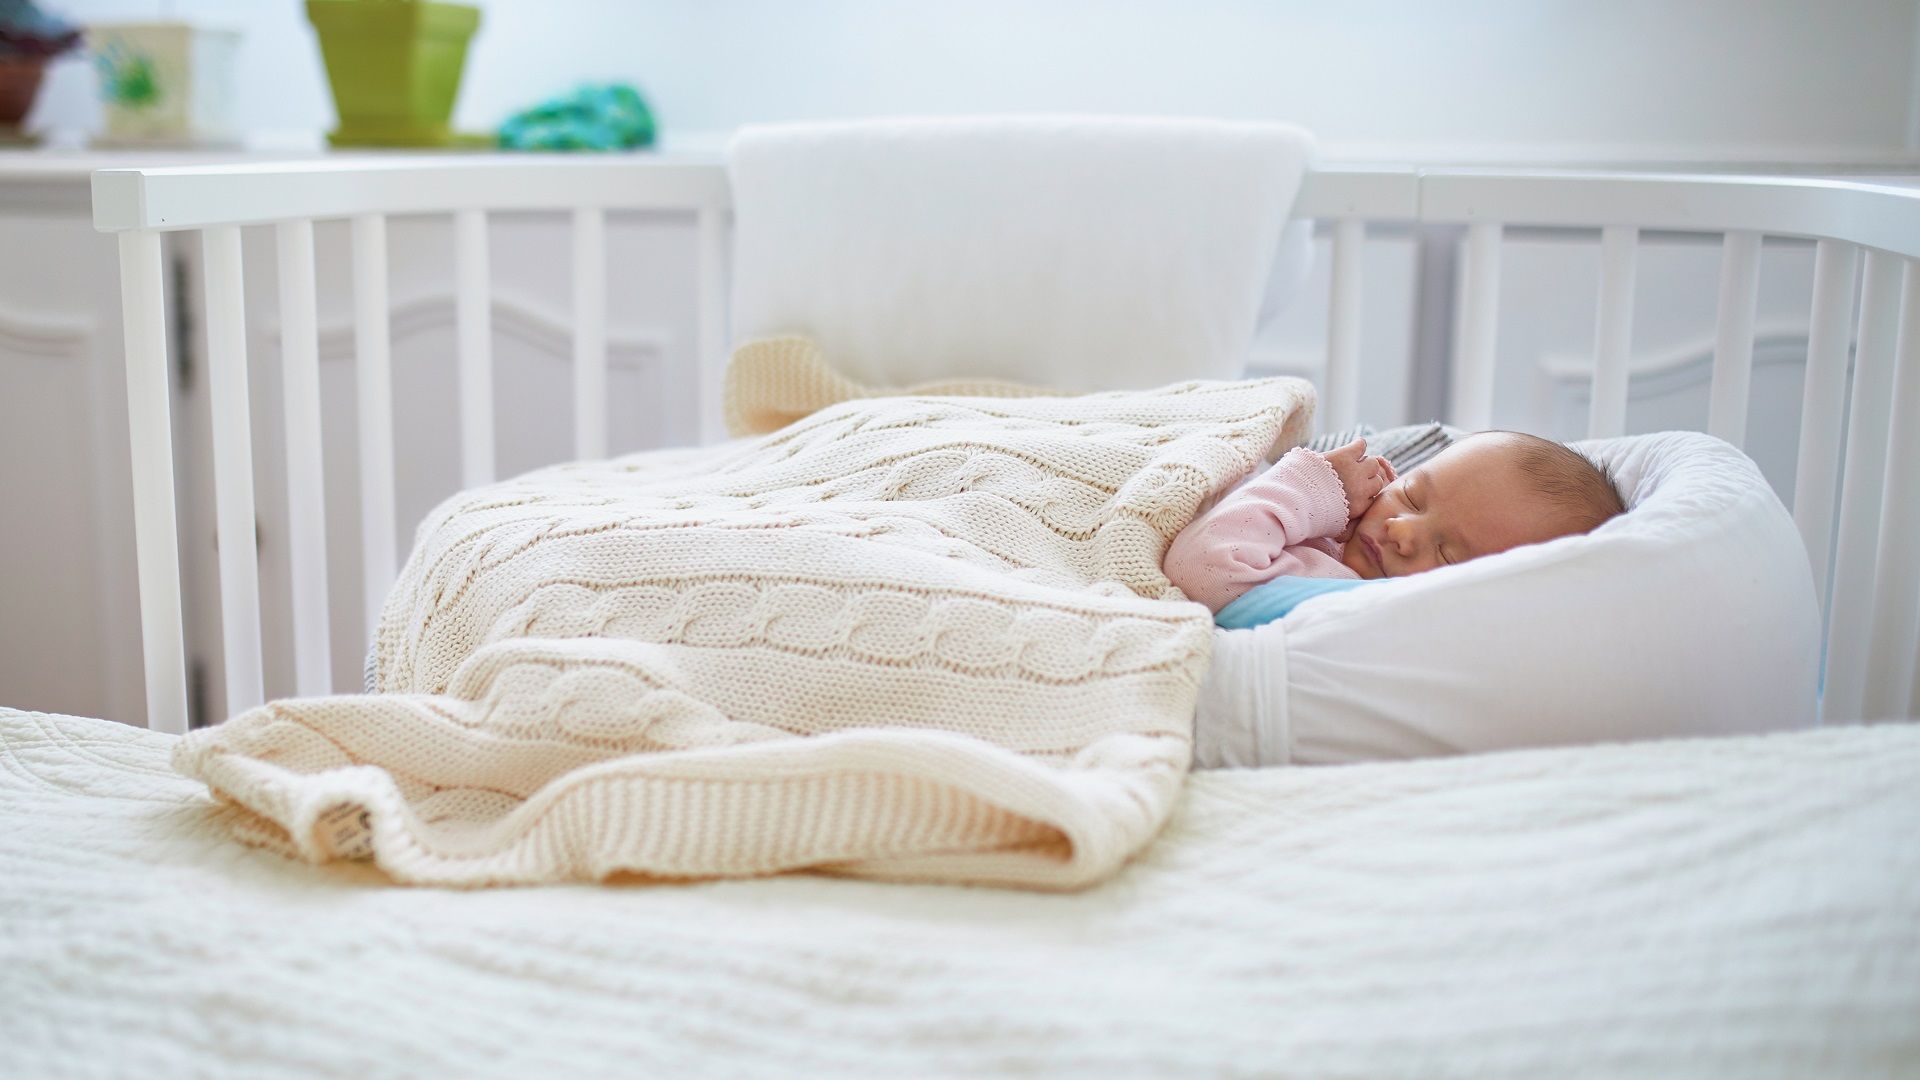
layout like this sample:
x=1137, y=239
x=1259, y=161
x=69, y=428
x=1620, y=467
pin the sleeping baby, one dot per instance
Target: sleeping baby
x=1344, y=514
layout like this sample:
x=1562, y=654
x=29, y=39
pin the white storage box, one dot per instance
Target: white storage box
x=166, y=83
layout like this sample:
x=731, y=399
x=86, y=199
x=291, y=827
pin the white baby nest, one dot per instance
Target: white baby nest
x=1692, y=613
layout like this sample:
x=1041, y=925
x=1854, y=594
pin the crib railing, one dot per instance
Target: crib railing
x=1873, y=610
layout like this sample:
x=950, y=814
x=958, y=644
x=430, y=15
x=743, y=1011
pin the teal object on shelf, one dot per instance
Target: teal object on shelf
x=610, y=117
x=1277, y=598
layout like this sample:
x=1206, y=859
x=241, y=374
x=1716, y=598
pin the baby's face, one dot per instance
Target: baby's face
x=1469, y=500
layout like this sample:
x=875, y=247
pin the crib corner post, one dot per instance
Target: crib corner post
x=150, y=435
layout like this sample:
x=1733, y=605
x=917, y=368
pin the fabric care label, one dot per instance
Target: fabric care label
x=345, y=831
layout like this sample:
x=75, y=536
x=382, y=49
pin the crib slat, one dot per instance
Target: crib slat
x=1733, y=340
x=712, y=340
x=589, y=333
x=150, y=433
x=1913, y=692
x=1860, y=491
x=1343, y=328
x=306, y=490
x=1472, y=397
x=1817, y=471
x=474, y=287
x=1895, y=633
x=379, y=563
x=233, y=467
x=1613, y=332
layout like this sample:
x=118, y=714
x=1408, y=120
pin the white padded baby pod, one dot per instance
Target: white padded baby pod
x=1692, y=614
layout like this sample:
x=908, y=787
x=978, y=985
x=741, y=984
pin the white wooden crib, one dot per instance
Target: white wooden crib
x=1866, y=236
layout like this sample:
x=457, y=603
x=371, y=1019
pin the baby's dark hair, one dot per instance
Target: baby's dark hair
x=1568, y=480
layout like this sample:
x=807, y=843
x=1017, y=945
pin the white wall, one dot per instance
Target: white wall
x=1766, y=80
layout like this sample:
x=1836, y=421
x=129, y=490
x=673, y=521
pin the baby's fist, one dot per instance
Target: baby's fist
x=1363, y=478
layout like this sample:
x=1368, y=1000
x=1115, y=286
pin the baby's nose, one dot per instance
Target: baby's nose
x=1399, y=534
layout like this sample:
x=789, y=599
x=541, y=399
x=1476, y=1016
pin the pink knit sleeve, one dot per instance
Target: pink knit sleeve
x=1242, y=541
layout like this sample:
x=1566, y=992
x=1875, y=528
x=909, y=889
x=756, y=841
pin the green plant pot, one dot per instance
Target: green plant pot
x=394, y=66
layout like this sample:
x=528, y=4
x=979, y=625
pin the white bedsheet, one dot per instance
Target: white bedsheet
x=1732, y=907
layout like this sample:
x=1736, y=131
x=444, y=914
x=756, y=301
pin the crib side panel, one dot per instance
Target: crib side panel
x=1874, y=598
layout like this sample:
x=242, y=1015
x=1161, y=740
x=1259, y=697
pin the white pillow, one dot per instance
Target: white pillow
x=1691, y=614
x=1078, y=253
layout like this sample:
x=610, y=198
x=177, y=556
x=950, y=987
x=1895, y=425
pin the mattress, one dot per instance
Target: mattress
x=1741, y=906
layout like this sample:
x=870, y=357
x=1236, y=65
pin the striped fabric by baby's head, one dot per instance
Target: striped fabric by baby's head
x=1404, y=447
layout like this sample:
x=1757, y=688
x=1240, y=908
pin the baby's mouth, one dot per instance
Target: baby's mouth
x=1373, y=551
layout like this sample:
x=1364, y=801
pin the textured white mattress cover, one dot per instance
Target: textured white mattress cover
x=1742, y=906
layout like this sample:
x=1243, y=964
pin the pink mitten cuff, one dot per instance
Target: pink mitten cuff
x=1325, y=497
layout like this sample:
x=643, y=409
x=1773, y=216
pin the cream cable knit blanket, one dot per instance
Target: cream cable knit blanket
x=913, y=638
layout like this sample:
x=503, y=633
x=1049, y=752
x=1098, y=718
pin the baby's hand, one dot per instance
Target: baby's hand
x=1362, y=477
